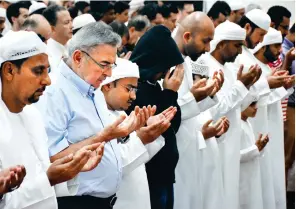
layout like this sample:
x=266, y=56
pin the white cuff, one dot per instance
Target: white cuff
x=69, y=188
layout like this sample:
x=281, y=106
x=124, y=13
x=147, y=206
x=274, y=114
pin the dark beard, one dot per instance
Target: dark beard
x=191, y=52
x=32, y=98
x=249, y=43
x=269, y=56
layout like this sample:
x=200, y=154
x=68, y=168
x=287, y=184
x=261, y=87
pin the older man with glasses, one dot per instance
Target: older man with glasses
x=75, y=116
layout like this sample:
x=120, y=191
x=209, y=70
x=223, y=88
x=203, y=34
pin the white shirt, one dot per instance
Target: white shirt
x=134, y=190
x=56, y=52
x=250, y=190
x=24, y=143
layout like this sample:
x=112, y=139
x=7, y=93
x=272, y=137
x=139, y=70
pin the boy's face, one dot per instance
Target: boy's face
x=251, y=110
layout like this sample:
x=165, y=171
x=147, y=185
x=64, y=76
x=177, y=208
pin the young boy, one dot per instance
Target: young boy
x=250, y=177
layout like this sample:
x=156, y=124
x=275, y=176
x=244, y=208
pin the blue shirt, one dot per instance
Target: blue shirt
x=71, y=115
x=286, y=46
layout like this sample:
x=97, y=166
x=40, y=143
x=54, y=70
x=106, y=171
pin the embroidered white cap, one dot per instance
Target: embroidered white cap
x=237, y=5
x=19, y=45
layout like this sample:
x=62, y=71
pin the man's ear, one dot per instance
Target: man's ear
x=106, y=87
x=9, y=71
x=248, y=28
x=187, y=37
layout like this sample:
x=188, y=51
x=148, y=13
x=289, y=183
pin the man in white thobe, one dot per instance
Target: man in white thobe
x=271, y=113
x=193, y=99
x=134, y=191
x=24, y=76
x=256, y=23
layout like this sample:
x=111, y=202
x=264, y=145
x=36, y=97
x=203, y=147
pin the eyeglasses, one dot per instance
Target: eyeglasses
x=104, y=67
x=129, y=88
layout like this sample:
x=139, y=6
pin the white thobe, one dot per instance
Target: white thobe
x=250, y=191
x=56, y=52
x=230, y=97
x=23, y=142
x=260, y=90
x=271, y=116
x=190, y=141
x=133, y=192
x=211, y=169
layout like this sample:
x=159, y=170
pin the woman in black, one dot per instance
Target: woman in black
x=155, y=53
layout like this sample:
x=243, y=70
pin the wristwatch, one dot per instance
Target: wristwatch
x=123, y=140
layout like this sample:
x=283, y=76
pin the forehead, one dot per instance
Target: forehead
x=173, y=15
x=129, y=81
x=104, y=53
x=62, y=15
x=286, y=21
x=37, y=60
x=235, y=42
x=207, y=30
x=276, y=45
x=260, y=31
x=2, y=19
x=23, y=11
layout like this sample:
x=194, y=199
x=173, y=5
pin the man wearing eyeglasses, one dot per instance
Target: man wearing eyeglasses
x=75, y=116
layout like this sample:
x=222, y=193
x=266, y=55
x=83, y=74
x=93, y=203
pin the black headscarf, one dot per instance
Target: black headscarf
x=156, y=52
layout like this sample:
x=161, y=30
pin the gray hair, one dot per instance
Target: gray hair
x=139, y=22
x=93, y=35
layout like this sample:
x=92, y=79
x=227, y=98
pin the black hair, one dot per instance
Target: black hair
x=73, y=12
x=277, y=14
x=150, y=10
x=168, y=8
x=292, y=29
x=181, y=4
x=81, y=5
x=18, y=63
x=217, y=8
x=51, y=13
x=120, y=28
x=120, y=6
x=14, y=9
x=139, y=22
x=29, y=23
x=246, y=20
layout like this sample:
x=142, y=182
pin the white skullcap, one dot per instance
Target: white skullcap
x=124, y=69
x=82, y=20
x=237, y=5
x=200, y=67
x=260, y=18
x=2, y=12
x=36, y=6
x=227, y=31
x=19, y=45
x=86, y=1
x=273, y=36
x=135, y=5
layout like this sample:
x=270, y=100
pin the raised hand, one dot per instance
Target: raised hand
x=68, y=167
x=202, y=89
x=290, y=54
x=11, y=178
x=126, y=55
x=156, y=125
x=95, y=156
x=261, y=142
x=218, y=77
x=290, y=82
x=250, y=77
x=209, y=131
x=174, y=82
x=225, y=127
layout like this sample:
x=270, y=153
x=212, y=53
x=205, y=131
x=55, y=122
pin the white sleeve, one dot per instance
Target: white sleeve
x=249, y=154
x=30, y=193
x=69, y=188
x=221, y=138
x=133, y=154
x=229, y=100
x=274, y=96
x=190, y=108
x=154, y=147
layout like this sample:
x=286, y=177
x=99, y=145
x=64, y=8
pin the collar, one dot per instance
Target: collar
x=82, y=86
x=56, y=45
x=288, y=43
